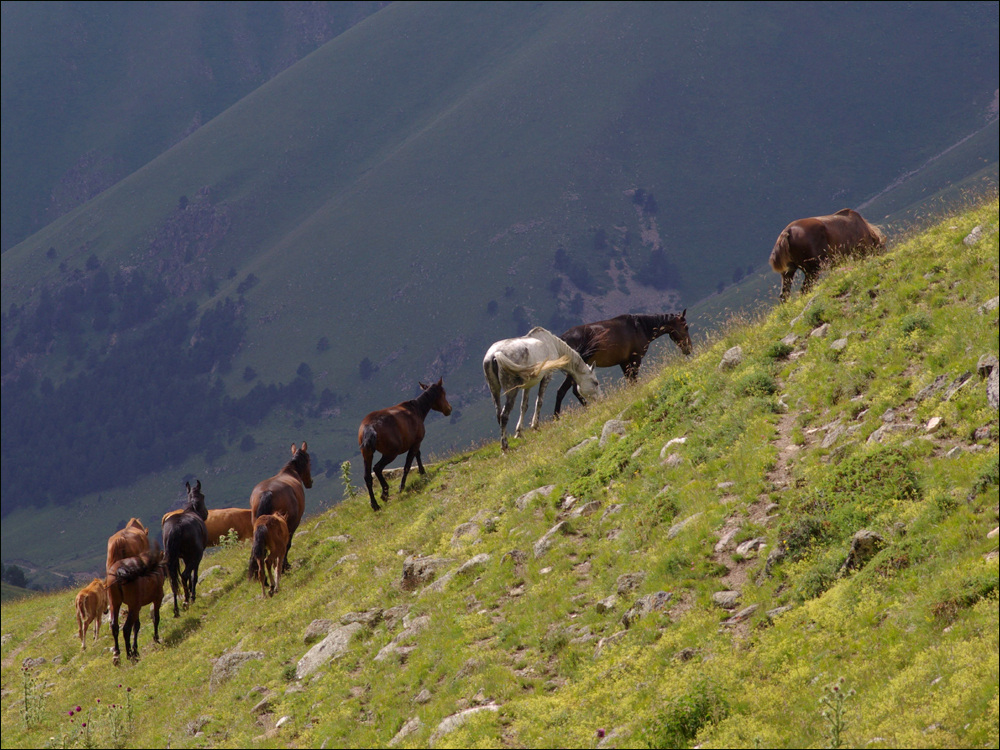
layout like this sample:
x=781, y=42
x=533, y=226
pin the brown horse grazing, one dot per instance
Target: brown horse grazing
x=810, y=243
x=285, y=493
x=137, y=581
x=129, y=542
x=622, y=341
x=184, y=540
x=395, y=430
x=91, y=605
x=270, y=538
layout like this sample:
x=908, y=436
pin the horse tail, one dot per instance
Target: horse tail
x=492, y=372
x=172, y=547
x=265, y=505
x=257, y=552
x=781, y=254
x=369, y=438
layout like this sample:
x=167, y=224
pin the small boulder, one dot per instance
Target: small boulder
x=229, y=664
x=473, y=564
x=419, y=571
x=613, y=427
x=678, y=527
x=645, y=605
x=864, y=546
x=334, y=645
x=411, y=726
x=726, y=599
x=585, y=443
x=629, y=582
x=317, y=629
x=529, y=497
x=542, y=545
x=732, y=358
x=369, y=618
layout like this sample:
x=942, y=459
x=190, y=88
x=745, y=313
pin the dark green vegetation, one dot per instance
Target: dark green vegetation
x=437, y=177
x=710, y=488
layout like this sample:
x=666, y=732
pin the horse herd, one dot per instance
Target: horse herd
x=136, y=570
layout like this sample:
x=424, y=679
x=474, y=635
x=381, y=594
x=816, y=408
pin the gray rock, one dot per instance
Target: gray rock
x=473, y=564
x=989, y=306
x=32, y=663
x=933, y=425
x=424, y=696
x=986, y=363
x=610, y=640
x=606, y=605
x=419, y=571
x=665, y=450
x=929, y=390
x=453, y=722
x=790, y=339
x=369, y=618
x=727, y=599
x=973, y=237
x=613, y=427
x=542, y=545
x=750, y=546
x=629, y=582
x=616, y=507
x=334, y=645
x=726, y=539
x=529, y=497
x=732, y=358
x=349, y=557
x=394, y=615
x=723, y=486
x=411, y=627
x=741, y=616
x=339, y=539
x=411, y=726
x=839, y=345
x=778, y=611
x=678, y=527
x=229, y=664
x=864, y=546
x=645, y=605
x=585, y=443
x=317, y=629
x=674, y=459
x=993, y=389
x=820, y=331
x=195, y=726
x=833, y=433
x=464, y=533
x=883, y=433
x=264, y=706
x=586, y=509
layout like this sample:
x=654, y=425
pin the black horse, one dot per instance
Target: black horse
x=184, y=539
x=622, y=341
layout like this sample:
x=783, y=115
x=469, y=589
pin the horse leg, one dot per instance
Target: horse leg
x=508, y=405
x=82, y=628
x=811, y=271
x=542, y=385
x=524, y=410
x=277, y=574
x=383, y=462
x=114, y=632
x=561, y=393
x=786, y=283
x=135, y=636
x=630, y=368
x=156, y=618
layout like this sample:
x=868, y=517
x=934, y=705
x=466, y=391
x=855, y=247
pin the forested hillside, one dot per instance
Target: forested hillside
x=789, y=540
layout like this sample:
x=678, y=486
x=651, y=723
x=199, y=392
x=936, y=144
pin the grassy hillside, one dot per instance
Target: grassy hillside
x=382, y=196
x=727, y=503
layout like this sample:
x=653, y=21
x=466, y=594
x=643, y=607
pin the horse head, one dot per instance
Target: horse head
x=587, y=382
x=439, y=401
x=196, y=500
x=679, y=334
x=302, y=464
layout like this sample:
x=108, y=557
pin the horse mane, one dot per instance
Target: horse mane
x=297, y=463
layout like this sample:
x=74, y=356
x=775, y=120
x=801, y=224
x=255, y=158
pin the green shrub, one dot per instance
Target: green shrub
x=756, y=383
x=682, y=718
x=778, y=350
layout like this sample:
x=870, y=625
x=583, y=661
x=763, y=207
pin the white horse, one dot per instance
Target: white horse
x=518, y=364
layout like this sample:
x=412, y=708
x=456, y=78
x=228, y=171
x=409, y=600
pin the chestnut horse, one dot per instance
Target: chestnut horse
x=136, y=582
x=395, y=430
x=810, y=243
x=270, y=540
x=285, y=493
x=184, y=540
x=91, y=606
x=221, y=521
x=129, y=542
x=622, y=342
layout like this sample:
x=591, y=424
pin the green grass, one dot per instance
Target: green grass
x=914, y=632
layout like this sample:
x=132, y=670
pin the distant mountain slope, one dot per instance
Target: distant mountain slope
x=440, y=176
x=719, y=556
x=94, y=90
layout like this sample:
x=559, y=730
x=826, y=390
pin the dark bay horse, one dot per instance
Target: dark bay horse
x=270, y=540
x=136, y=582
x=396, y=430
x=129, y=542
x=810, y=243
x=184, y=540
x=518, y=364
x=285, y=493
x=622, y=342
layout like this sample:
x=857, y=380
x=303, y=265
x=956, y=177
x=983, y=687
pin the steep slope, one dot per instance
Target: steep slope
x=399, y=199
x=696, y=576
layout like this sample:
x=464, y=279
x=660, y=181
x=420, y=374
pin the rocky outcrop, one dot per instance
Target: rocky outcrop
x=334, y=645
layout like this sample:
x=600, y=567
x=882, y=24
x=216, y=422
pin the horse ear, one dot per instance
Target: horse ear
x=591, y=367
x=422, y=386
x=441, y=381
x=684, y=313
x=294, y=449
x=187, y=486
x=197, y=487
x=304, y=446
